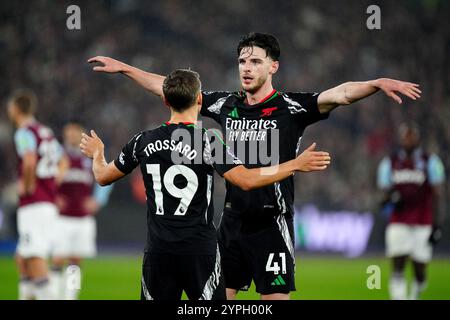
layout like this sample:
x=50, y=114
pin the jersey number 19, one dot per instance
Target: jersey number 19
x=185, y=194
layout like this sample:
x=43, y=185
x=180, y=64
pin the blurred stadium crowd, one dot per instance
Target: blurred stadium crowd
x=323, y=43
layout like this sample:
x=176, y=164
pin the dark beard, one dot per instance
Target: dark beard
x=258, y=86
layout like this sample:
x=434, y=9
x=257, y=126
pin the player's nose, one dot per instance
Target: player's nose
x=246, y=66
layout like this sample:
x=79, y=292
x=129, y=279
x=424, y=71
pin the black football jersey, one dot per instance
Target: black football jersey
x=271, y=129
x=177, y=164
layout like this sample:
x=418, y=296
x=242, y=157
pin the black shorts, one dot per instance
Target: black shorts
x=265, y=256
x=165, y=276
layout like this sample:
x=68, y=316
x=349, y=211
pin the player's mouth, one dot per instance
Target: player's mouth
x=247, y=79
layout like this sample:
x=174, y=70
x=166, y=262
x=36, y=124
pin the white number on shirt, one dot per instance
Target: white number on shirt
x=185, y=194
x=49, y=153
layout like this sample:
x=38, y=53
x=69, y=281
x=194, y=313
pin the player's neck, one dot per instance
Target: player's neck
x=186, y=116
x=24, y=121
x=411, y=152
x=258, y=96
x=72, y=148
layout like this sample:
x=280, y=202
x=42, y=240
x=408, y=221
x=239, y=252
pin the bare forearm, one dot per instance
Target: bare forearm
x=350, y=92
x=354, y=91
x=29, y=178
x=345, y=94
x=150, y=81
x=439, y=213
x=29, y=164
x=439, y=205
x=63, y=166
x=99, y=165
x=269, y=175
x=249, y=179
x=93, y=147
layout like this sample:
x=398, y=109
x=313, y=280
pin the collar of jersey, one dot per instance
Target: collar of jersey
x=187, y=123
x=29, y=123
x=268, y=98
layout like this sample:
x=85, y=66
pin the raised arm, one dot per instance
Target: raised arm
x=93, y=147
x=150, y=81
x=248, y=179
x=350, y=92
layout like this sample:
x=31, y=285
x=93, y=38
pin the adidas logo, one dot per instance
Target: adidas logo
x=279, y=281
x=234, y=113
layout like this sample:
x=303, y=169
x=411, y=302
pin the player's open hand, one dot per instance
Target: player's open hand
x=311, y=160
x=91, y=146
x=109, y=65
x=391, y=87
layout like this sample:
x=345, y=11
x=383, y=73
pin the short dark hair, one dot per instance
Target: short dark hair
x=25, y=100
x=181, y=88
x=263, y=40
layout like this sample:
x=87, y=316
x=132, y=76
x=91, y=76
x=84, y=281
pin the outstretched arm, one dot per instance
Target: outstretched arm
x=248, y=179
x=350, y=92
x=93, y=147
x=150, y=81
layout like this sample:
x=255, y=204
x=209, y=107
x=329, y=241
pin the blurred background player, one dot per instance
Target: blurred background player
x=39, y=155
x=78, y=201
x=413, y=181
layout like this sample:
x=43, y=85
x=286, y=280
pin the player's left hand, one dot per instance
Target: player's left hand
x=61, y=203
x=91, y=146
x=436, y=235
x=391, y=87
x=91, y=206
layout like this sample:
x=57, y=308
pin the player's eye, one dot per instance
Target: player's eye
x=241, y=61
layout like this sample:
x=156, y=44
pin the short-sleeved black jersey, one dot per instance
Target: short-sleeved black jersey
x=177, y=164
x=276, y=124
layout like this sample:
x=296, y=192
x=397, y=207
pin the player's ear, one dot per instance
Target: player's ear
x=275, y=66
x=199, y=101
x=165, y=102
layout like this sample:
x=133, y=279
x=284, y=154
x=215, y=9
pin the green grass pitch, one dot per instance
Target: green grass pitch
x=118, y=277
